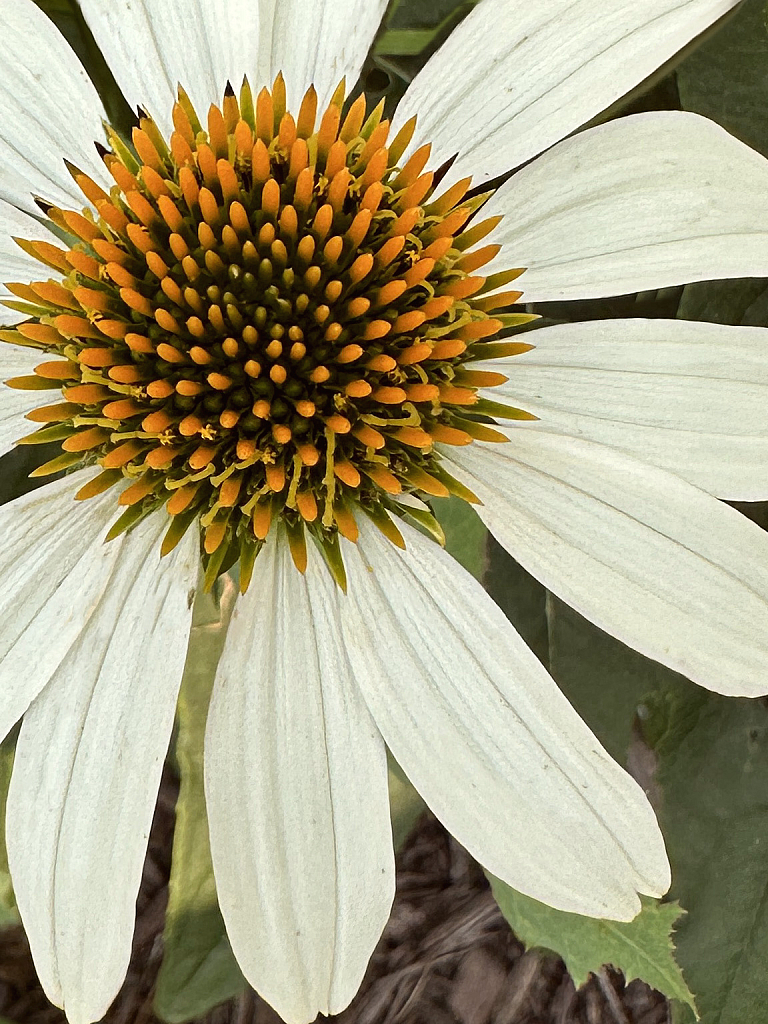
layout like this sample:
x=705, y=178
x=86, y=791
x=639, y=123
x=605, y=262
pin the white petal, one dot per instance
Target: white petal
x=50, y=111
x=487, y=738
x=55, y=570
x=656, y=562
x=296, y=787
x=152, y=46
x=17, y=361
x=643, y=202
x=516, y=77
x=318, y=42
x=87, y=770
x=15, y=265
x=691, y=397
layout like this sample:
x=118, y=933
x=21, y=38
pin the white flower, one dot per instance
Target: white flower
x=609, y=497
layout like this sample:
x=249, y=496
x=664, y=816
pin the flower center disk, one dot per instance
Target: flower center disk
x=266, y=319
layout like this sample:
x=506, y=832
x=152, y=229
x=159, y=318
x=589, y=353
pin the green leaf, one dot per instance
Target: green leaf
x=198, y=970
x=419, y=25
x=405, y=804
x=604, y=680
x=607, y=682
x=412, y=31
x=18, y=464
x=741, y=302
x=641, y=948
x=405, y=42
x=726, y=78
x=8, y=913
x=68, y=18
x=423, y=13
x=519, y=595
x=466, y=538
x=712, y=767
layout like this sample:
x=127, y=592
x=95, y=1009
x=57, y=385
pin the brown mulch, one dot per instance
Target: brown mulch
x=446, y=957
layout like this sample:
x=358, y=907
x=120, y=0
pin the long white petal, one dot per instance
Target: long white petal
x=643, y=202
x=649, y=558
x=516, y=77
x=17, y=361
x=296, y=787
x=691, y=397
x=152, y=46
x=318, y=42
x=87, y=770
x=55, y=570
x=49, y=111
x=487, y=738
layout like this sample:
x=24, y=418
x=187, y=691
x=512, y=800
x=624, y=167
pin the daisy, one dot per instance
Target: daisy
x=266, y=342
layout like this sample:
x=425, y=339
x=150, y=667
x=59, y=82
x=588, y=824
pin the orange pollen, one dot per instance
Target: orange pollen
x=267, y=321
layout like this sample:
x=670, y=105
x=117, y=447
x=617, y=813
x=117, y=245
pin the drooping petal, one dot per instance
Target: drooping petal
x=318, y=42
x=49, y=111
x=643, y=202
x=87, y=771
x=649, y=558
x=691, y=397
x=296, y=788
x=153, y=47
x=54, y=570
x=516, y=77
x=487, y=738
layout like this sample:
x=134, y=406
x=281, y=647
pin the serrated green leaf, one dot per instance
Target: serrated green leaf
x=682, y=1013
x=712, y=767
x=198, y=970
x=640, y=949
x=726, y=78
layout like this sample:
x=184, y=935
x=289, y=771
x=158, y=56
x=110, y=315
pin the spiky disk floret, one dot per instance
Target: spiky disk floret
x=265, y=319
